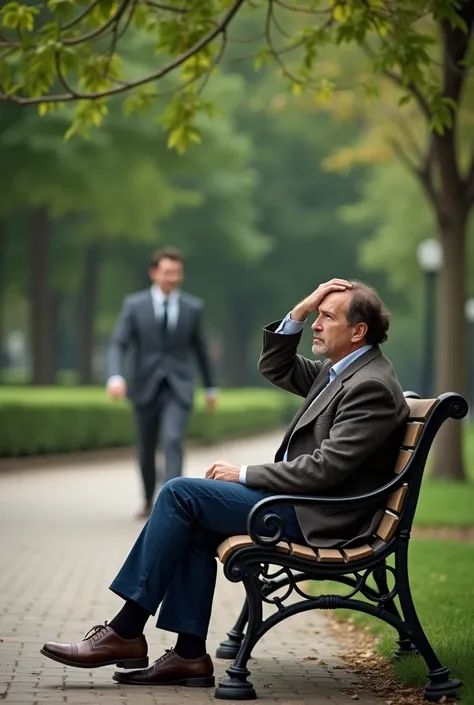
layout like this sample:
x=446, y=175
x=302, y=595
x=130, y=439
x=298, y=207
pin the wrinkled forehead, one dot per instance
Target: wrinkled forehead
x=168, y=264
x=336, y=302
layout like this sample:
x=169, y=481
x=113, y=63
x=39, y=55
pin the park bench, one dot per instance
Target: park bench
x=249, y=559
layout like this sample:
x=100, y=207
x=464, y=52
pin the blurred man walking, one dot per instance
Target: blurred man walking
x=162, y=329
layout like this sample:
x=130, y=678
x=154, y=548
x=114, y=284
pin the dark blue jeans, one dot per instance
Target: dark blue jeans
x=173, y=560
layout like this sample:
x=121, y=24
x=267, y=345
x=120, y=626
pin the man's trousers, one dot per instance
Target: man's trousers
x=167, y=417
x=173, y=561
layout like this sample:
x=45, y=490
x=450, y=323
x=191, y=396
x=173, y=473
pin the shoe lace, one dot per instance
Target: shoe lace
x=97, y=631
x=164, y=656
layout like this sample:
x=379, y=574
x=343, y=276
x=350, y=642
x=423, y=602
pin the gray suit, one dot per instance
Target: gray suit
x=344, y=443
x=162, y=375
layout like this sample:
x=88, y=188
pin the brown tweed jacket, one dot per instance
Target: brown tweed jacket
x=345, y=443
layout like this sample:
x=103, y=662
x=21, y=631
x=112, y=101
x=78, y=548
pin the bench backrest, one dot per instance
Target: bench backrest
x=420, y=410
x=426, y=417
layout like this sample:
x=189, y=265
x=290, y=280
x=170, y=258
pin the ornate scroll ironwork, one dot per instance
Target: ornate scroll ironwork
x=273, y=578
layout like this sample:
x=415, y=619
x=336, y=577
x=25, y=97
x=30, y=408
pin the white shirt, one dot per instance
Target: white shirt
x=158, y=298
x=289, y=327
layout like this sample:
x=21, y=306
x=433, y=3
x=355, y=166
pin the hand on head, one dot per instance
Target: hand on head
x=312, y=302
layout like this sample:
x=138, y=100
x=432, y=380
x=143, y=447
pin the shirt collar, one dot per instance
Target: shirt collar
x=341, y=365
x=160, y=296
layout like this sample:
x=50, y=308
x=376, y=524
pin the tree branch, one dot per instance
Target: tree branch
x=168, y=8
x=422, y=172
x=306, y=10
x=128, y=20
x=403, y=156
x=80, y=16
x=99, y=30
x=397, y=79
x=67, y=98
x=414, y=90
x=7, y=43
x=216, y=61
x=405, y=128
x=62, y=78
x=277, y=54
x=268, y=36
x=282, y=31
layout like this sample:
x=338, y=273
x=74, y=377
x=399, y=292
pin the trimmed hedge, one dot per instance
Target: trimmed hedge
x=40, y=420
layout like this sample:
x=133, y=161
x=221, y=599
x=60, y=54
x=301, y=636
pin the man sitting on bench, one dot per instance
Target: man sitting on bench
x=343, y=441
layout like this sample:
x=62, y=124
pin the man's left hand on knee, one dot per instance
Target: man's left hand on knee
x=221, y=470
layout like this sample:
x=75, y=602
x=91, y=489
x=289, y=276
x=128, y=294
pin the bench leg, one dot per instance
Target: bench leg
x=229, y=648
x=439, y=681
x=237, y=687
x=405, y=646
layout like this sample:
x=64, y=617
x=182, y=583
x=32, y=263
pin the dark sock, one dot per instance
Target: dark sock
x=190, y=646
x=130, y=622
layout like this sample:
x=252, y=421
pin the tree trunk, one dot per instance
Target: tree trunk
x=41, y=300
x=87, y=312
x=452, y=342
x=3, y=243
x=237, y=333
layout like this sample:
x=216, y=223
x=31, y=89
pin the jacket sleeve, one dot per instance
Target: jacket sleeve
x=202, y=352
x=280, y=364
x=120, y=340
x=365, y=418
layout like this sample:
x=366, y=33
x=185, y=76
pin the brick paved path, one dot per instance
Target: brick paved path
x=64, y=533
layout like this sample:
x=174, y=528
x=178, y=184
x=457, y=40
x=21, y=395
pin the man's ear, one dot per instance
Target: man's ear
x=360, y=331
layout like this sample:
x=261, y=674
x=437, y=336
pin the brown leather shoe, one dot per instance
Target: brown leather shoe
x=101, y=647
x=171, y=669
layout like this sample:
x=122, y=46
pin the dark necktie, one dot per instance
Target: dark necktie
x=165, y=314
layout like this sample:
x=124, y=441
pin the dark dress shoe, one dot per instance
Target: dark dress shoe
x=101, y=647
x=171, y=669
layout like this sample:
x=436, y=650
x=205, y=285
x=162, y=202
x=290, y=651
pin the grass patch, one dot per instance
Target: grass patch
x=448, y=503
x=442, y=578
x=444, y=503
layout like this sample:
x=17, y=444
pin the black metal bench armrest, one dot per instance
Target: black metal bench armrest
x=275, y=524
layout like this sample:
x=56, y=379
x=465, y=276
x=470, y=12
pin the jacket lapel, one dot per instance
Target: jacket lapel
x=183, y=312
x=327, y=395
x=318, y=384
x=151, y=322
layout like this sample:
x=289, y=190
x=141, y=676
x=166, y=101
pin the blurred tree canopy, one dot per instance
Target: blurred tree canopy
x=412, y=58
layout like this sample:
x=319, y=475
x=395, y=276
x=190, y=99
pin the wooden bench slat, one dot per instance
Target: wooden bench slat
x=233, y=543
x=421, y=408
x=357, y=553
x=397, y=499
x=330, y=555
x=303, y=551
x=387, y=526
x=412, y=434
x=403, y=459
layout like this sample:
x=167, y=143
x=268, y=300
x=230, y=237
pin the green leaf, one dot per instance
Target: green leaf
x=19, y=17
x=263, y=58
x=405, y=99
x=341, y=12
x=139, y=101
